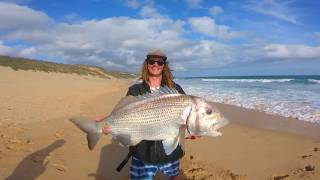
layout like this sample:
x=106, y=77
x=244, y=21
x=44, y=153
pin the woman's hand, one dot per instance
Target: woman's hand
x=107, y=129
x=100, y=118
x=188, y=135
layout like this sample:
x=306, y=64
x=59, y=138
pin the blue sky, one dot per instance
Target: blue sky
x=200, y=37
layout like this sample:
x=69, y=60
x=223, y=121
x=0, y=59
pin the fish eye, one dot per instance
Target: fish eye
x=209, y=111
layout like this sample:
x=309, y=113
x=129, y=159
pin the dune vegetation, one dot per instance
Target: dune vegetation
x=37, y=65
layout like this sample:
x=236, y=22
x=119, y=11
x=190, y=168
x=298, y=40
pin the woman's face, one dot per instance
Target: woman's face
x=155, y=66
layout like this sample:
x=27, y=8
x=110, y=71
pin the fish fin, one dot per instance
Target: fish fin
x=131, y=99
x=170, y=145
x=182, y=135
x=135, y=142
x=90, y=128
x=93, y=139
x=126, y=140
x=185, y=114
x=125, y=101
x=162, y=91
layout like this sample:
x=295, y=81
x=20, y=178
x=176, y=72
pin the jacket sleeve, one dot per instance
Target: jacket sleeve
x=133, y=90
x=129, y=92
x=179, y=89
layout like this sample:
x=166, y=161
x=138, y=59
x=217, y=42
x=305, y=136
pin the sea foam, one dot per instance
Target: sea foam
x=293, y=97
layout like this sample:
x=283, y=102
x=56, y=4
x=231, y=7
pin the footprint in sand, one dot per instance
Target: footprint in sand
x=306, y=171
x=59, y=134
x=305, y=156
x=280, y=177
x=60, y=167
x=309, y=168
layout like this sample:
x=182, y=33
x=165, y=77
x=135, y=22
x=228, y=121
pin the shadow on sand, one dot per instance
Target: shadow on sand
x=33, y=165
x=110, y=157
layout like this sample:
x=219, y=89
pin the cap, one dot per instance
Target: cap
x=157, y=53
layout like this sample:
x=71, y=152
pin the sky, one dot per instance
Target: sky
x=200, y=37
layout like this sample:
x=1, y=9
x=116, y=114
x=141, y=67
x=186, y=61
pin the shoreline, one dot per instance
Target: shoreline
x=264, y=120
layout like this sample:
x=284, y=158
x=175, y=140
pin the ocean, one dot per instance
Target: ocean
x=289, y=96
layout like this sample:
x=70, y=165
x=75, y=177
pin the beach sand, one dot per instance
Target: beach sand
x=37, y=141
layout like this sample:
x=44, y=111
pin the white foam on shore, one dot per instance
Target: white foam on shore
x=314, y=81
x=248, y=80
x=296, y=110
x=295, y=100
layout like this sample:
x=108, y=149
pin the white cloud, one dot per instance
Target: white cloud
x=115, y=41
x=27, y=52
x=208, y=27
x=14, y=16
x=317, y=34
x=6, y=50
x=17, y=1
x=73, y=18
x=150, y=12
x=215, y=10
x=277, y=9
x=133, y=4
x=136, y=4
x=281, y=51
x=34, y=36
x=203, y=54
x=194, y=3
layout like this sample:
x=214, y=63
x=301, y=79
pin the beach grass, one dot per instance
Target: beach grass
x=37, y=65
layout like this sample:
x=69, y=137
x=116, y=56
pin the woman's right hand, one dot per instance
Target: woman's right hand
x=107, y=129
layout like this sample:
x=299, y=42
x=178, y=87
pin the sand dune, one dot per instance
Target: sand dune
x=38, y=142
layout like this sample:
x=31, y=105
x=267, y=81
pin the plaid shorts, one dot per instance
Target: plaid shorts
x=139, y=170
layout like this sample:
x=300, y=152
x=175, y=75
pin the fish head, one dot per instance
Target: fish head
x=204, y=119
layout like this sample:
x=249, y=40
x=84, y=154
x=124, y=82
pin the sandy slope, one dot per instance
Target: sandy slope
x=38, y=142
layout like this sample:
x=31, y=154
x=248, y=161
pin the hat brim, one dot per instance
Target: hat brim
x=151, y=55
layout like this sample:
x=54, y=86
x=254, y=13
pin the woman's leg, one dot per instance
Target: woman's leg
x=141, y=171
x=171, y=169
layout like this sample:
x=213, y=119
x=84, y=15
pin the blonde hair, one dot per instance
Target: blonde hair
x=167, y=77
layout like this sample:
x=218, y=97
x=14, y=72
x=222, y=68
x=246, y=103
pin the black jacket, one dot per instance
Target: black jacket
x=152, y=152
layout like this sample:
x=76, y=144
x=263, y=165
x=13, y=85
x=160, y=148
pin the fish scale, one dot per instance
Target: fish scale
x=152, y=119
x=149, y=111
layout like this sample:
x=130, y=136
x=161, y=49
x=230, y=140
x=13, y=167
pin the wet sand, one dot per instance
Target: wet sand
x=38, y=142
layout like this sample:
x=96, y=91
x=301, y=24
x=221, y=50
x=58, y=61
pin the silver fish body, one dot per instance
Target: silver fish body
x=156, y=116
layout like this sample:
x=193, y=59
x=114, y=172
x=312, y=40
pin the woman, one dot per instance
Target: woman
x=148, y=157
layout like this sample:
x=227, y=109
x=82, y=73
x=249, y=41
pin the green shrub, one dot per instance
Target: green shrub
x=36, y=65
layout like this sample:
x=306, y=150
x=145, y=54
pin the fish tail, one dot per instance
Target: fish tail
x=90, y=127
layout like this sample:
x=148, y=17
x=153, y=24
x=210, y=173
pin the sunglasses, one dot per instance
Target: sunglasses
x=152, y=62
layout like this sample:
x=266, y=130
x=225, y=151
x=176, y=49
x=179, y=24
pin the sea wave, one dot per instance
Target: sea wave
x=295, y=81
x=299, y=110
x=289, y=97
x=317, y=81
x=249, y=80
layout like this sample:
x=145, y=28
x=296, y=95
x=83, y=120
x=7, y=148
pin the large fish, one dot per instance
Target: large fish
x=161, y=115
